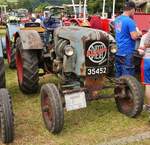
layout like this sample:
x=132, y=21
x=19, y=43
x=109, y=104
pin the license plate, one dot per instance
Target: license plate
x=96, y=70
x=75, y=101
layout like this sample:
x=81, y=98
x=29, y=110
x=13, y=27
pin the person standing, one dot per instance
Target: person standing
x=46, y=25
x=38, y=20
x=144, y=50
x=126, y=34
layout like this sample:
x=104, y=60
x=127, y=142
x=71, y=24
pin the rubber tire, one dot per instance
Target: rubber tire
x=138, y=97
x=2, y=74
x=56, y=125
x=30, y=76
x=12, y=63
x=10, y=56
x=6, y=117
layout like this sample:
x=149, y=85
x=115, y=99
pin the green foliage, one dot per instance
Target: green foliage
x=96, y=6
x=2, y=1
x=41, y=7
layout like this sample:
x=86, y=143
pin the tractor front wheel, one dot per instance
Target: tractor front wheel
x=27, y=68
x=129, y=96
x=6, y=117
x=52, y=109
x=2, y=73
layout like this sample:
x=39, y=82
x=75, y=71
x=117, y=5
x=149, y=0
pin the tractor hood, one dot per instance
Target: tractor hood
x=80, y=39
x=75, y=33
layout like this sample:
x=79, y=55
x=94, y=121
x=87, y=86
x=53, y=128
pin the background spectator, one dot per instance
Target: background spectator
x=144, y=50
x=126, y=34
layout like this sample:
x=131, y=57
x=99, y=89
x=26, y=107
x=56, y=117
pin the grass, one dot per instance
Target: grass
x=99, y=122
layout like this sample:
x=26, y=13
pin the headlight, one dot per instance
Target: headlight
x=113, y=48
x=68, y=50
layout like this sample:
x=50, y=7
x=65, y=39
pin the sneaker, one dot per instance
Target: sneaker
x=146, y=108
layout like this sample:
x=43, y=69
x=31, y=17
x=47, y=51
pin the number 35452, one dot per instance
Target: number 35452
x=95, y=71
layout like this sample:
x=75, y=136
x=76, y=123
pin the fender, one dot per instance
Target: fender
x=30, y=39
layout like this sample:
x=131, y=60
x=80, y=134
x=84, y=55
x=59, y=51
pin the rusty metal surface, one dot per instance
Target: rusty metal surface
x=74, y=33
x=94, y=83
x=30, y=39
x=78, y=36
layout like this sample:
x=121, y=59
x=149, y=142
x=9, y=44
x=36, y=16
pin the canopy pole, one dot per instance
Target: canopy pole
x=80, y=9
x=103, y=12
x=113, y=12
x=75, y=13
x=84, y=15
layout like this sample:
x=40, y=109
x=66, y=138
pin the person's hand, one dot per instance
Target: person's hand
x=139, y=32
x=141, y=51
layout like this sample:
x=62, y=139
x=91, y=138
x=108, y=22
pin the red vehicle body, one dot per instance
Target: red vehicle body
x=97, y=22
x=76, y=22
x=143, y=21
x=93, y=23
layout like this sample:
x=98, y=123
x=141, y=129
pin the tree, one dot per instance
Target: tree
x=95, y=6
x=41, y=7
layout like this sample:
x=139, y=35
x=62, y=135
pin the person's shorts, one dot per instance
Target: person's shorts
x=145, y=71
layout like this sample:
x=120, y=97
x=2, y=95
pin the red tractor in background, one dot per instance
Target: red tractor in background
x=143, y=24
x=79, y=18
x=143, y=21
x=76, y=14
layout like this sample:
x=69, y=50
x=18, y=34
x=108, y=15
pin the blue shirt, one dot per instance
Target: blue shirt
x=124, y=25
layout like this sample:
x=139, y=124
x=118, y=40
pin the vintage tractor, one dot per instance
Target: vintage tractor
x=6, y=111
x=83, y=60
x=77, y=14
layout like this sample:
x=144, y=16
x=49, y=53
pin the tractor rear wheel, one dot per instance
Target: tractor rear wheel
x=27, y=68
x=2, y=74
x=6, y=117
x=52, y=109
x=129, y=96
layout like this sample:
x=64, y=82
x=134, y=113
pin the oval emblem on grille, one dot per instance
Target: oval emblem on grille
x=97, y=52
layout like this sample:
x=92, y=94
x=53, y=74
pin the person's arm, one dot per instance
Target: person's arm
x=135, y=35
x=133, y=32
x=141, y=48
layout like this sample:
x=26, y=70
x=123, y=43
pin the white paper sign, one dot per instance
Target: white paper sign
x=75, y=101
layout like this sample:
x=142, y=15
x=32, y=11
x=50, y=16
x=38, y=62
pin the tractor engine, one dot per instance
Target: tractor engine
x=83, y=54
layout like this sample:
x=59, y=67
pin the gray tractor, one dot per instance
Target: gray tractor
x=6, y=111
x=83, y=60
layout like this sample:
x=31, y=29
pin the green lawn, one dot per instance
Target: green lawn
x=99, y=122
